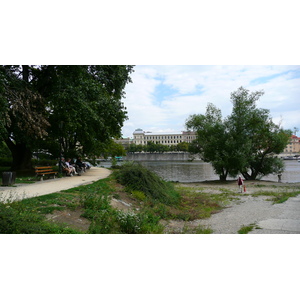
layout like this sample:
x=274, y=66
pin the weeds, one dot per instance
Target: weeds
x=106, y=219
x=197, y=230
x=246, y=229
x=277, y=196
x=15, y=220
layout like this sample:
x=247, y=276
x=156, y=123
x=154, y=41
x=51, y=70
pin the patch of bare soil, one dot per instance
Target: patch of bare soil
x=71, y=217
x=121, y=201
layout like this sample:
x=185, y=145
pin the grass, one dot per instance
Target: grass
x=152, y=200
x=245, y=229
x=29, y=215
x=135, y=177
x=278, y=196
x=167, y=202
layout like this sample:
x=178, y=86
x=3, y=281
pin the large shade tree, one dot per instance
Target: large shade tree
x=78, y=108
x=245, y=142
x=212, y=141
x=256, y=137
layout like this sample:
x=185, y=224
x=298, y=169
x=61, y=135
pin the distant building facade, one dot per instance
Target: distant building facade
x=141, y=137
x=293, y=146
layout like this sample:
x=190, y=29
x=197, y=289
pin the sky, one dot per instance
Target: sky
x=161, y=97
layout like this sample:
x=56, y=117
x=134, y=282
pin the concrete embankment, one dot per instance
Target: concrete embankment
x=172, y=156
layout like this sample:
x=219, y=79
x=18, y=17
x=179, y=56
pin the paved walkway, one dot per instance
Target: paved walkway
x=22, y=191
x=268, y=218
x=287, y=219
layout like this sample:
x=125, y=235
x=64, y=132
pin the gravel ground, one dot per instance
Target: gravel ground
x=248, y=210
x=267, y=217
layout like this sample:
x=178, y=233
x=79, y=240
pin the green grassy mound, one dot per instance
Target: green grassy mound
x=137, y=178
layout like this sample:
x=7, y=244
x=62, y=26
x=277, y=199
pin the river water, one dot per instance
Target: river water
x=198, y=171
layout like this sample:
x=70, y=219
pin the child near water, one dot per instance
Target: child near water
x=240, y=183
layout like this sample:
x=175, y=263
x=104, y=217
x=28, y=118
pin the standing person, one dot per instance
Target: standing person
x=240, y=183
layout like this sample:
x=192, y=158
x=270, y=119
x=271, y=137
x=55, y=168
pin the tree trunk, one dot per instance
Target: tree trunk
x=25, y=72
x=21, y=156
x=223, y=175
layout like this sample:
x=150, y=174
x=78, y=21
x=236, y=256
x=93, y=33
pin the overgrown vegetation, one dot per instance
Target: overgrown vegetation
x=153, y=203
x=17, y=218
x=29, y=215
x=153, y=200
x=135, y=177
x=165, y=199
x=278, y=196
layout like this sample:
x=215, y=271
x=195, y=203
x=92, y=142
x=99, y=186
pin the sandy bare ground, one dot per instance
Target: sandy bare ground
x=22, y=191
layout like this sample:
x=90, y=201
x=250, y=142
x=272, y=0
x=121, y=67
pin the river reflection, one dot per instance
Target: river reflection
x=201, y=171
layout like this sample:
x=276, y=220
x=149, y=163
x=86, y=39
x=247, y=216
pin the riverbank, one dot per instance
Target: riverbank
x=265, y=206
x=262, y=208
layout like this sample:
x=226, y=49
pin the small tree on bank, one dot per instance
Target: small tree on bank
x=245, y=142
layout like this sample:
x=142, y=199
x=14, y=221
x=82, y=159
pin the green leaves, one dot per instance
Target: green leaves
x=245, y=142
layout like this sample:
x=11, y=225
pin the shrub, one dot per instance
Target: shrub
x=5, y=162
x=44, y=162
x=135, y=177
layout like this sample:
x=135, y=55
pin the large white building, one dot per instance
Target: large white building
x=141, y=137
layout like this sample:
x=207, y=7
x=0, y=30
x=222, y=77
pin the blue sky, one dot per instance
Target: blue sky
x=161, y=98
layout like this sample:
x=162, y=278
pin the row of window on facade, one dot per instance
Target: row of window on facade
x=166, y=137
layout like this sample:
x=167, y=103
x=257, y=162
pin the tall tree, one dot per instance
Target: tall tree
x=212, y=140
x=256, y=137
x=247, y=141
x=22, y=115
x=79, y=107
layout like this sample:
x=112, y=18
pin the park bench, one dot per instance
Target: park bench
x=42, y=171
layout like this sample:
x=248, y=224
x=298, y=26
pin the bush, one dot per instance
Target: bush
x=135, y=177
x=44, y=162
x=5, y=162
x=106, y=220
x=16, y=221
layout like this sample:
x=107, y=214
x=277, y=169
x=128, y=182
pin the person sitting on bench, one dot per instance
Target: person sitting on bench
x=80, y=164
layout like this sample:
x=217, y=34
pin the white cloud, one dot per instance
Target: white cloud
x=162, y=97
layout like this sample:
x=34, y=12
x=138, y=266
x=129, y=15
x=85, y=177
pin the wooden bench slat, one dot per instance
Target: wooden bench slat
x=41, y=171
x=46, y=167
